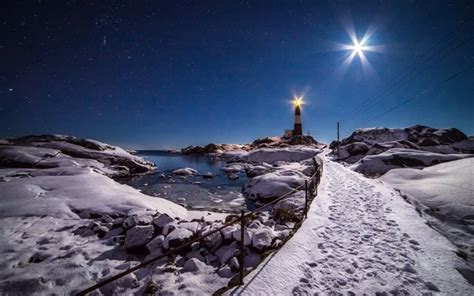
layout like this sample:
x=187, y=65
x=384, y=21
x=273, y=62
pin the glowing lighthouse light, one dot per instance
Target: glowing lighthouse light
x=298, y=101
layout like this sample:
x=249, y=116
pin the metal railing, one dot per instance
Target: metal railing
x=310, y=192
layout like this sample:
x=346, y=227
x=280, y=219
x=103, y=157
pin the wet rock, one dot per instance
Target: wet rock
x=208, y=175
x=233, y=176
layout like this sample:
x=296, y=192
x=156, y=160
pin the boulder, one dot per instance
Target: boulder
x=262, y=239
x=247, y=238
x=177, y=237
x=233, y=176
x=184, y=172
x=266, y=187
x=193, y=265
x=228, y=231
x=134, y=220
x=114, y=232
x=156, y=244
x=162, y=220
x=213, y=241
x=225, y=272
x=191, y=226
x=234, y=263
x=138, y=236
x=208, y=175
x=226, y=252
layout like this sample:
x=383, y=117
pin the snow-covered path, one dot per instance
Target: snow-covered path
x=360, y=236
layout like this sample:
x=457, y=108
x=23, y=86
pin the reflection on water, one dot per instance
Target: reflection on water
x=196, y=192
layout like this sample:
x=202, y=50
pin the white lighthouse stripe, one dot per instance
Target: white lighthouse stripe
x=297, y=119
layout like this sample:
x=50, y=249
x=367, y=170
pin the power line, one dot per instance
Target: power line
x=403, y=75
x=423, y=92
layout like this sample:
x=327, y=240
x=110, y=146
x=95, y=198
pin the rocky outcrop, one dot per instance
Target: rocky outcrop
x=374, y=141
x=59, y=150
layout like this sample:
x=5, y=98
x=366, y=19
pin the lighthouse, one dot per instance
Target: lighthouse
x=297, y=128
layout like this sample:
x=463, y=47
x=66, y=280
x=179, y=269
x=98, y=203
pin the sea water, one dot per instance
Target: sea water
x=194, y=192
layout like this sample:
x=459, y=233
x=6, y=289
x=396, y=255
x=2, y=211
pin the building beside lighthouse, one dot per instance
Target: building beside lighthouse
x=297, y=126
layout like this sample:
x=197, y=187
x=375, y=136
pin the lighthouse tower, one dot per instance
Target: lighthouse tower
x=298, y=128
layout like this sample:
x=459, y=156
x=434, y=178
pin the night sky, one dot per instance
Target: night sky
x=144, y=74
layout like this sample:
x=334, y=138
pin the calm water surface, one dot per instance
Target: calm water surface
x=195, y=192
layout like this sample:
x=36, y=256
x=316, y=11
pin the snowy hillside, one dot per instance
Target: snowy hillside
x=373, y=141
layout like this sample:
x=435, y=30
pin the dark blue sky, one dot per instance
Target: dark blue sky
x=149, y=75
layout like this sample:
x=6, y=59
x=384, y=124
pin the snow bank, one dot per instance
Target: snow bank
x=65, y=191
x=398, y=158
x=446, y=187
x=63, y=176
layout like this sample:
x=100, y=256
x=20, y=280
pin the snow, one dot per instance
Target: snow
x=65, y=191
x=447, y=187
x=360, y=237
x=399, y=157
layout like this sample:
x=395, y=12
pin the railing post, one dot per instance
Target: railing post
x=242, y=252
x=306, y=198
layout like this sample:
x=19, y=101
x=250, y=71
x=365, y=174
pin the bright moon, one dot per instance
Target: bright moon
x=358, y=48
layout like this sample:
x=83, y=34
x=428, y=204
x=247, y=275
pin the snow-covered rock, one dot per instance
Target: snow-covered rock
x=290, y=154
x=226, y=252
x=193, y=265
x=372, y=141
x=184, y=172
x=257, y=170
x=177, y=237
x=133, y=220
x=399, y=158
x=112, y=157
x=294, y=203
x=138, y=236
x=162, y=221
x=191, y=226
x=212, y=241
x=236, y=234
x=156, y=244
x=262, y=239
x=268, y=186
